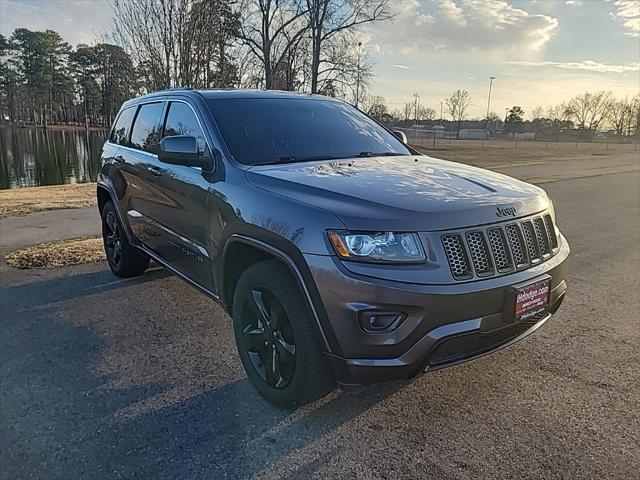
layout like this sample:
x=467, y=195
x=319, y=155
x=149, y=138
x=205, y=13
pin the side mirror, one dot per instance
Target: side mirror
x=401, y=136
x=183, y=150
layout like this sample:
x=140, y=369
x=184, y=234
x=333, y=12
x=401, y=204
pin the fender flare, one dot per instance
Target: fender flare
x=295, y=271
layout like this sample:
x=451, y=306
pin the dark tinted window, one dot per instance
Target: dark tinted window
x=182, y=121
x=259, y=131
x=145, y=133
x=122, y=127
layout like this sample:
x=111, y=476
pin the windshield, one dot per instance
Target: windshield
x=277, y=130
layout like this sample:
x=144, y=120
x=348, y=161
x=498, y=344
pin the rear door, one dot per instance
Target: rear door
x=140, y=169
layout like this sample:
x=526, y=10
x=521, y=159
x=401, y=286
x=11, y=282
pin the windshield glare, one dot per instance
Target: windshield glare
x=270, y=130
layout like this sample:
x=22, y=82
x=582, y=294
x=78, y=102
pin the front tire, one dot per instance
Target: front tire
x=124, y=259
x=277, y=338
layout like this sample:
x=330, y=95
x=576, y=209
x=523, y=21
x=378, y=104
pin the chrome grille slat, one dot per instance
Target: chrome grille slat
x=551, y=231
x=479, y=253
x=530, y=240
x=541, y=235
x=457, y=256
x=500, y=249
x=516, y=242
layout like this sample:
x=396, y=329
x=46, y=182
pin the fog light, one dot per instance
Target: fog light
x=376, y=321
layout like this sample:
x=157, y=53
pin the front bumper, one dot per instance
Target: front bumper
x=444, y=324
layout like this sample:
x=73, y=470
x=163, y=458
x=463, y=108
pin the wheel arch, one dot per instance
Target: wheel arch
x=105, y=193
x=241, y=251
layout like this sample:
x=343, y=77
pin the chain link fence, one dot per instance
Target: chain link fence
x=443, y=140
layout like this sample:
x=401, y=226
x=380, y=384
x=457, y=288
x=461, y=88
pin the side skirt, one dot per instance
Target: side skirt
x=181, y=275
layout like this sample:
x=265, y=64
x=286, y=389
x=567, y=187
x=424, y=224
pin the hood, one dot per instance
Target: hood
x=403, y=193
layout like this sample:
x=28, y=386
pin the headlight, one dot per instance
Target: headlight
x=383, y=247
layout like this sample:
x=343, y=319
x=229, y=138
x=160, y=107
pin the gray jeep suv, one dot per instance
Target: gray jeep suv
x=342, y=254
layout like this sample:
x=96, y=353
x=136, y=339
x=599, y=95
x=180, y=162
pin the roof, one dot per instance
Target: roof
x=227, y=93
x=246, y=93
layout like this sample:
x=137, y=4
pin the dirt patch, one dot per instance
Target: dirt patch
x=20, y=201
x=57, y=254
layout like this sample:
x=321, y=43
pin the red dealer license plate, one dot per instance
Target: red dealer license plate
x=532, y=299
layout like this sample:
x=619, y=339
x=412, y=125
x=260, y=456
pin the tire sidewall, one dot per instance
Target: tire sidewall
x=274, y=276
x=108, y=208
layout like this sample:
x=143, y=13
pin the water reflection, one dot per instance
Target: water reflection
x=36, y=156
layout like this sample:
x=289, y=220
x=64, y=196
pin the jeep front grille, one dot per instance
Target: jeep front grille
x=500, y=249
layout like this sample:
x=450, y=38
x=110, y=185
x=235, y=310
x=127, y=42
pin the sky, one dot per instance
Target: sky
x=541, y=52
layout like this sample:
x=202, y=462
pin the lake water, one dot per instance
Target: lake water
x=36, y=156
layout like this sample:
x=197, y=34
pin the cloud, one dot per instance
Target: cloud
x=78, y=21
x=589, y=65
x=628, y=11
x=492, y=26
x=404, y=67
x=574, y=3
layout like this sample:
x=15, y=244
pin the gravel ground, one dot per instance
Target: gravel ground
x=109, y=378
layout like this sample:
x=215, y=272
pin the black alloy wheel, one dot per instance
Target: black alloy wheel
x=124, y=259
x=278, y=339
x=269, y=338
x=113, y=240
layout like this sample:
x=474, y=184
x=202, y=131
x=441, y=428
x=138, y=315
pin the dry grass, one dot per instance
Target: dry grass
x=494, y=156
x=57, y=254
x=21, y=201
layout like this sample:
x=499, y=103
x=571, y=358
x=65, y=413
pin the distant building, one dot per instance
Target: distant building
x=438, y=131
x=524, y=136
x=473, y=134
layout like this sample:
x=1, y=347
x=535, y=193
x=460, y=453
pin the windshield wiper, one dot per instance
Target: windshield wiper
x=380, y=154
x=292, y=159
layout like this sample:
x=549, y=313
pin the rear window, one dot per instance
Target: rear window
x=121, y=129
x=273, y=130
x=146, y=129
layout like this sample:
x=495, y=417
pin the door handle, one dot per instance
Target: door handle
x=119, y=158
x=154, y=170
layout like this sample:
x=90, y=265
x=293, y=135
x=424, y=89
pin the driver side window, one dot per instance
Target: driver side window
x=182, y=121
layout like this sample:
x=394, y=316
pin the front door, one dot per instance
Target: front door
x=183, y=214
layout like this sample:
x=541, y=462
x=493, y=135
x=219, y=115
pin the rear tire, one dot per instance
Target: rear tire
x=277, y=337
x=124, y=259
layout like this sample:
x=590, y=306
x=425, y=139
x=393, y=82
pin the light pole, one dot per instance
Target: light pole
x=358, y=76
x=417, y=97
x=491, y=79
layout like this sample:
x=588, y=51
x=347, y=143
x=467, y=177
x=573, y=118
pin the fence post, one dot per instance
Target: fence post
x=547, y=146
x=607, y=146
x=576, y=145
x=516, y=143
x=434, y=139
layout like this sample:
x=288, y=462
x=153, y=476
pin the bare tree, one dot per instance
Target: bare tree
x=620, y=115
x=271, y=29
x=178, y=42
x=347, y=71
x=589, y=110
x=374, y=105
x=537, y=112
x=329, y=18
x=425, y=114
x=457, y=105
x=633, y=126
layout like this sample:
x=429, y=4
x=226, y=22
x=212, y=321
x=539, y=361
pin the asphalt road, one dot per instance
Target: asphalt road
x=107, y=378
